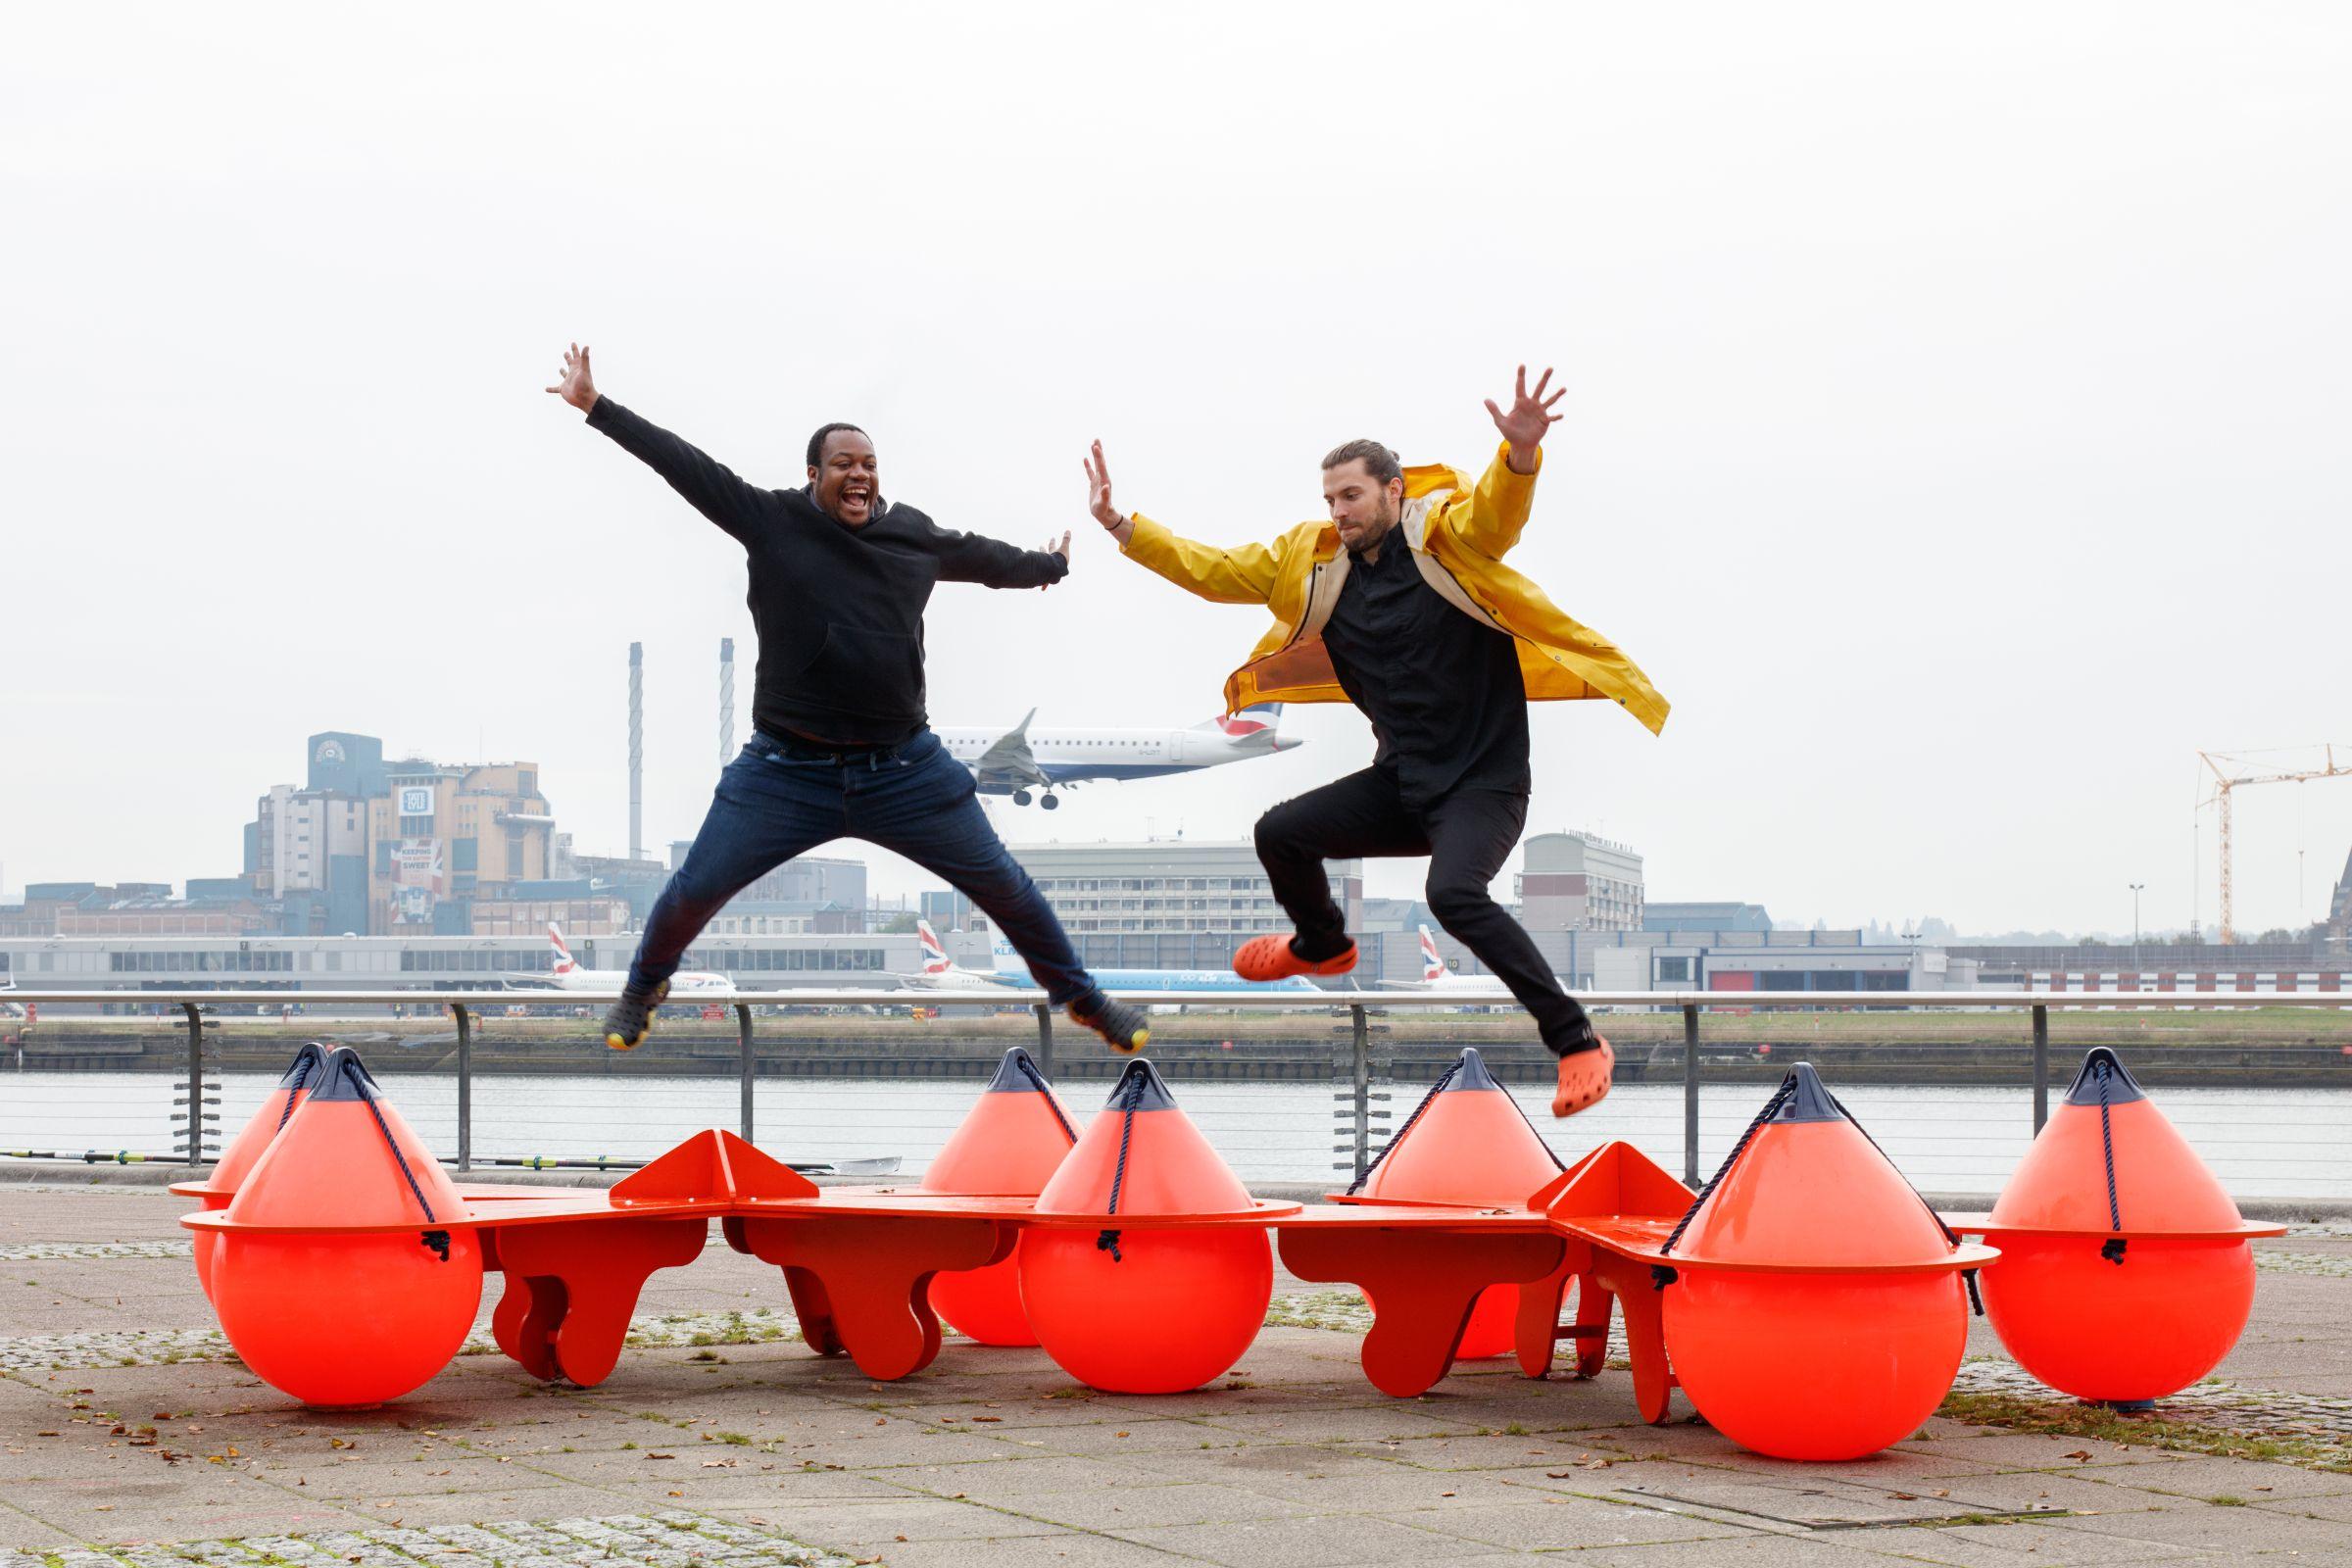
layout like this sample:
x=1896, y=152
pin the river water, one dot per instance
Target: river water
x=2263, y=1143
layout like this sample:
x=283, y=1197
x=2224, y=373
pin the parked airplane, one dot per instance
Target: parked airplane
x=941, y=973
x=1011, y=971
x=1435, y=976
x=568, y=975
x=1017, y=763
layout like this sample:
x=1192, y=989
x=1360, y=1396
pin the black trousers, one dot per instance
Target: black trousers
x=1466, y=835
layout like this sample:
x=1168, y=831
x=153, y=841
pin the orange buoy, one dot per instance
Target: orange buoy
x=2124, y=1273
x=229, y=1172
x=1811, y=1305
x=1468, y=1142
x=344, y=1317
x=1131, y=1308
x=1011, y=1143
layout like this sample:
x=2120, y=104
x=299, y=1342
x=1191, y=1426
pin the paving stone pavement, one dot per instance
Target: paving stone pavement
x=721, y=1439
x=672, y=1539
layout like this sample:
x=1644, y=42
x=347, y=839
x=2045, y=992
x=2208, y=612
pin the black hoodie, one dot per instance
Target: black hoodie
x=838, y=610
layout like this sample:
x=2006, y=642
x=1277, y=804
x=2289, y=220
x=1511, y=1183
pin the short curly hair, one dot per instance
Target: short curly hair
x=816, y=442
x=1378, y=461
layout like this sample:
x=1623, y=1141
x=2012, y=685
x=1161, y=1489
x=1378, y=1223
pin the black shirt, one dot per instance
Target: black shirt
x=838, y=610
x=1444, y=693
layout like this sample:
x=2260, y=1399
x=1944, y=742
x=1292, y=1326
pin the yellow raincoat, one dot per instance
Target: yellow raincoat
x=1458, y=534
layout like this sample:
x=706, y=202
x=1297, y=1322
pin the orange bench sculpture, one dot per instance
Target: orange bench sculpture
x=1807, y=1248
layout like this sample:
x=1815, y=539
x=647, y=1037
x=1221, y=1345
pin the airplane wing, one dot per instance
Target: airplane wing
x=1009, y=764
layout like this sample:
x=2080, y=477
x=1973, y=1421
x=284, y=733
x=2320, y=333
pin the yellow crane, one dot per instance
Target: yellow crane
x=2225, y=781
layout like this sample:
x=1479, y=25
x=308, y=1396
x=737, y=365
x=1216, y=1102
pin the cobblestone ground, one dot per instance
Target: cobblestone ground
x=56, y=1352
x=623, y=1540
x=44, y=1252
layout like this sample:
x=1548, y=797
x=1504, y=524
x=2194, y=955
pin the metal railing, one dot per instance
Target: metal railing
x=1358, y=1102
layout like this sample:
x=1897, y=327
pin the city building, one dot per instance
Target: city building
x=1705, y=917
x=1578, y=882
x=1763, y=961
x=440, y=835
x=1169, y=904
x=426, y=962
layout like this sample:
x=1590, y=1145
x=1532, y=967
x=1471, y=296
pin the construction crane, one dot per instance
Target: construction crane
x=2225, y=782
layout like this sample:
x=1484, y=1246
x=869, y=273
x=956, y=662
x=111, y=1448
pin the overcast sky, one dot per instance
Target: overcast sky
x=1956, y=421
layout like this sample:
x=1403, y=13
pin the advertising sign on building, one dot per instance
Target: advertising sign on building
x=415, y=801
x=417, y=863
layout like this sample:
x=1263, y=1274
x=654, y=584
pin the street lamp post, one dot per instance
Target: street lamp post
x=2136, y=889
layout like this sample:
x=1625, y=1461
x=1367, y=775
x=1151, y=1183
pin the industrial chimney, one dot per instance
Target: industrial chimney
x=726, y=701
x=636, y=750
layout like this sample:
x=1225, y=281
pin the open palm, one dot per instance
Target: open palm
x=1530, y=415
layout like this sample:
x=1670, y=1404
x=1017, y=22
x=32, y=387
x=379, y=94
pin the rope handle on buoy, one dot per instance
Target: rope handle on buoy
x=2113, y=1249
x=434, y=1241
x=1779, y=1098
x=1444, y=1079
x=1108, y=1241
x=1029, y=1069
x=302, y=1076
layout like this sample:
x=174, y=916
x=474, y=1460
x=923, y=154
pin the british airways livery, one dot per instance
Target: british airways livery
x=939, y=972
x=1028, y=766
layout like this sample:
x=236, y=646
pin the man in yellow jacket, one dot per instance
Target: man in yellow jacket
x=1401, y=605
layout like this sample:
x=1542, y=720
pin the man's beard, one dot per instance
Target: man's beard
x=1376, y=535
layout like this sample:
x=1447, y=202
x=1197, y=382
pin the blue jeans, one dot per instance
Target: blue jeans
x=914, y=799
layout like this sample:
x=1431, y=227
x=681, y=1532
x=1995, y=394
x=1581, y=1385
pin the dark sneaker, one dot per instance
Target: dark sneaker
x=626, y=1024
x=1121, y=1026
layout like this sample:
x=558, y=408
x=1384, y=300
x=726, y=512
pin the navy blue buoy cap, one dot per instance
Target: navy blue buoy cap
x=1470, y=1072
x=1808, y=1099
x=2122, y=1087
x=1143, y=1082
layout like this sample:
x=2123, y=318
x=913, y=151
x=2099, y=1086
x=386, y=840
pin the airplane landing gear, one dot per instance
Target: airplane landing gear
x=1020, y=797
x=1051, y=801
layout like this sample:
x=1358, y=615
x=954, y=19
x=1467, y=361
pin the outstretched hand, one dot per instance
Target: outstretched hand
x=1115, y=523
x=1063, y=550
x=1528, y=421
x=577, y=386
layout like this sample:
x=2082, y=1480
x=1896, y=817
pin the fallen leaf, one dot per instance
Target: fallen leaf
x=988, y=1418
x=2080, y=1453
x=660, y=1456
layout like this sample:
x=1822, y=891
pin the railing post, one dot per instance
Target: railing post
x=1690, y=1094
x=1045, y=1040
x=195, y=1082
x=2041, y=1065
x=1360, y=1052
x=465, y=1020
x=748, y=1064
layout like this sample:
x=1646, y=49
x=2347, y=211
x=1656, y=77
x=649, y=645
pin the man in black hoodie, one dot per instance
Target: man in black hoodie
x=839, y=744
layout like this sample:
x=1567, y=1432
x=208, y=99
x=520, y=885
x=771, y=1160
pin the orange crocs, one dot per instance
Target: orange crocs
x=1583, y=1080
x=1269, y=958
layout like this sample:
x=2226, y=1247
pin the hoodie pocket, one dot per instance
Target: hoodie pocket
x=877, y=673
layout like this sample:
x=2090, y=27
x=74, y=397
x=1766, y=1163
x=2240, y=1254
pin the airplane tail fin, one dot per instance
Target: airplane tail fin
x=934, y=955
x=564, y=962
x=1255, y=720
x=1433, y=967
